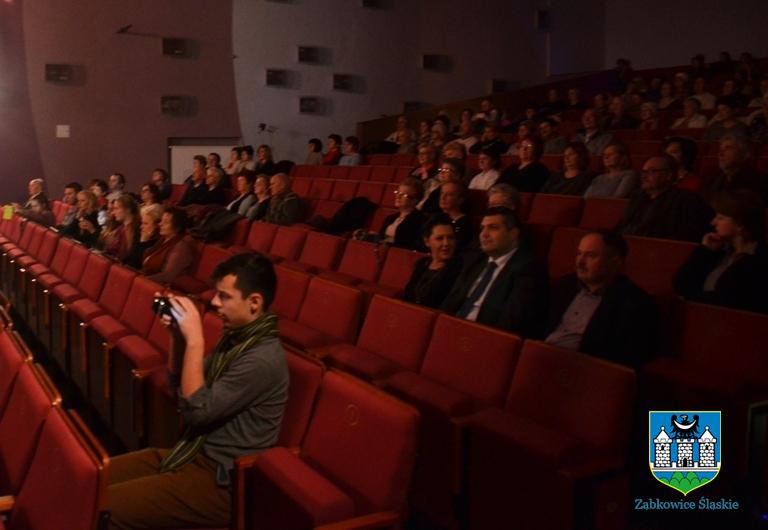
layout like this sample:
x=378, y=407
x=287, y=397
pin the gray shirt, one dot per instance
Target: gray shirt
x=243, y=409
x=617, y=185
x=575, y=320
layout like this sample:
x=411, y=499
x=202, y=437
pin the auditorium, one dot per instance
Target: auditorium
x=409, y=265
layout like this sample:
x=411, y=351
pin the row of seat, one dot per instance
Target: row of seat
x=44, y=449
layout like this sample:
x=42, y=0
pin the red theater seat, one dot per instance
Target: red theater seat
x=321, y=189
x=305, y=375
x=383, y=174
x=371, y=191
x=361, y=262
x=339, y=172
x=557, y=210
x=320, y=252
x=260, y=238
x=291, y=289
x=344, y=190
x=301, y=186
x=360, y=173
x=199, y=280
x=288, y=243
x=602, y=213
x=395, y=273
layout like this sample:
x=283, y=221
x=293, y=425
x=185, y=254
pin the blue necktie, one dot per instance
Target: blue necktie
x=478, y=291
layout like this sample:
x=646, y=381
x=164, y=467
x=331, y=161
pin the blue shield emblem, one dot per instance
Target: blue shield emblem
x=684, y=448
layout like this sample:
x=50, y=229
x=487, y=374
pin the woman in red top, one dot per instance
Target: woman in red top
x=332, y=157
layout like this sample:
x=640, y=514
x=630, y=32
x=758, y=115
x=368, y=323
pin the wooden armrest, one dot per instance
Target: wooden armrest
x=6, y=503
x=374, y=520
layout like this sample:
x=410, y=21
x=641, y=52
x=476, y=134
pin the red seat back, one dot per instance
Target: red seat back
x=397, y=331
x=301, y=171
x=371, y=191
x=339, y=172
x=47, y=247
x=213, y=327
x=558, y=210
x=61, y=256
x=344, y=190
x=12, y=357
x=333, y=309
x=305, y=375
x=652, y=263
x=210, y=256
x=398, y=267
x=383, y=173
x=352, y=422
x=92, y=280
x=562, y=252
x=379, y=160
x=321, y=250
x=288, y=242
x=116, y=288
x=602, y=213
x=301, y=186
x=321, y=189
x=360, y=173
x=138, y=314
x=291, y=290
x=37, y=238
x=75, y=265
x=362, y=260
x=320, y=172
x=454, y=359
x=261, y=236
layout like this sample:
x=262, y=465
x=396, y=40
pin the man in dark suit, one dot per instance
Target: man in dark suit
x=599, y=311
x=502, y=286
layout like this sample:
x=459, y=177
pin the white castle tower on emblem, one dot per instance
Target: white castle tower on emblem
x=662, y=444
x=684, y=452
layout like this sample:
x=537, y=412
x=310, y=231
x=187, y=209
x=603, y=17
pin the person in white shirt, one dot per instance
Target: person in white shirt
x=488, y=162
x=692, y=118
x=706, y=99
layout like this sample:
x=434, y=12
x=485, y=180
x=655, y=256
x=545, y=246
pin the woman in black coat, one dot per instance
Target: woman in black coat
x=403, y=229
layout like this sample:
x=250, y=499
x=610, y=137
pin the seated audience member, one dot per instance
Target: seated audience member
x=172, y=255
x=434, y=275
x=725, y=123
x=648, y=119
x=36, y=189
x=684, y=151
x=264, y=161
x=464, y=117
x=197, y=188
x=215, y=193
x=618, y=118
x=162, y=180
x=70, y=199
x=149, y=198
x=554, y=144
x=503, y=285
x=214, y=160
x=450, y=169
x=352, y=155
x=530, y=174
x=574, y=101
x=680, y=86
x=425, y=132
x=100, y=189
x=453, y=197
x=438, y=136
x=116, y=186
x=732, y=92
x=729, y=268
x=659, y=209
x=488, y=162
x=235, y=164
x=735, y=170
x=405, y=144
x=427, y=159
x=504, y=195
x=576, y=175
x=691, y=118
x=314, y=152
x=619, y=179
x=554, y=105
x=524, y=131
x=402, y=132
x=601, y=109
x=39, y=211
x=490, y=141
x=120, y=241
x=231, y=403
x=591, y=136
x=759, y=99
x=333, y=155
x=600, y=311
x=403, y=228
x=487, y=112
x=85, y=226
x=706, y=99
x=668, y=100
x=455, y=150
x=244, y=198
x=148, y=236
x=285, y=207
x=654, y=90
x=260, y=205
x=247, y=163
x=466, y=135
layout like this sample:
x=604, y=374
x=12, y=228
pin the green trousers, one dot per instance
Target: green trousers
x=139, y=496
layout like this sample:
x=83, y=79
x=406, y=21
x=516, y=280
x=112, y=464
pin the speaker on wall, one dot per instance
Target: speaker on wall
x=343, y=82
x=173, y=105
x=309, y=54
x=277, y=77
x=309, y=105
x=59, y=73
x=175, y=47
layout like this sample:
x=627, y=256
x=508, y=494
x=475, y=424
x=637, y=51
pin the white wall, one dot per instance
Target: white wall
x=485, y=40
x=666, y=33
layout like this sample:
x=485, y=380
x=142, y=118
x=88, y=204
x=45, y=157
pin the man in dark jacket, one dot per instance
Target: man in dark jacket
x=502, y=286
x=600, y=311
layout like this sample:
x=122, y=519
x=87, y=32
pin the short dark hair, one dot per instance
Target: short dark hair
x=200, y=159
x=247, y=149
x=120, y=178
x=237, y=150
x=493, y=155
x=75, y=186
x=435, y=220
x=100, y=183
x=353, y=141
x=335, y=137
x=317, y=144
x=581, y=151
x=746, y=208
x=253, y=272
x=162, y=172
x=507, y=215
x=613, y=241
x=179, y=218
x=688, y=148
x=153, y=190
x=216, y=156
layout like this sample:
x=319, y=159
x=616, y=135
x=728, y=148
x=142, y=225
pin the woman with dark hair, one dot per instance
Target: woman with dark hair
x=235, y=165
x=530, y=174
x=244, y=198
x=729, y=268
x=683, y=150
x=453, y=198
x=403, y=229
x=121, y=240
x=575, y=177
x=162, y=180
x=264, y=161
x=434, y=275
x=314, y=153
x=332, y=157
x=246, y=158
x=85, y=225
x=149, y=198
x=262, y=197
x=172, y=255
x=619, y=180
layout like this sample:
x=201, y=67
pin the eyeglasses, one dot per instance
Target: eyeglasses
x=399, y=193
x=445, y=170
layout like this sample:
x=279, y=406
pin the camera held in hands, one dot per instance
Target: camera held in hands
x=162, y=306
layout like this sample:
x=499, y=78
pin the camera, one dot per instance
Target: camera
x=161, y=305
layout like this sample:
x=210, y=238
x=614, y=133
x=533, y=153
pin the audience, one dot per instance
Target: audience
x=524, y=131
x=576, y=175
x=120, y=239
x=504, y=195
x=591, y=136
x=264, y=162
x=467, y=136
x=668, y=100
x=36, y=189
x=450, y=169
x=70, y=199
x=725, y=123
x=244, y=198
x=351, y=155
x=197, y=188
x=39, y=211
x=684, y=151
x=314, y=153
x=619, y=179
x=402, y=133
x=434, y=275
x=490, y=141
x=659, y=209
x=427, y=160
x=162, y=180
x=648, y=119
x=285, y=207
x=574, y=100
x=215, y=193
x=260, y=205
x=453, y=197
x=729, y=268
x=247, y=163
x=333, y=155
x=85, y=226
x=148, y=237
x=503, y=285
x=705, y=99
x=149, y=195
x=618, y=118
x=691, y=118
x=172, y=255
x=403, y=229
x=554, y=144
x=488, y=162
x=601, y=312
x=235, y=164
x=530, y=174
